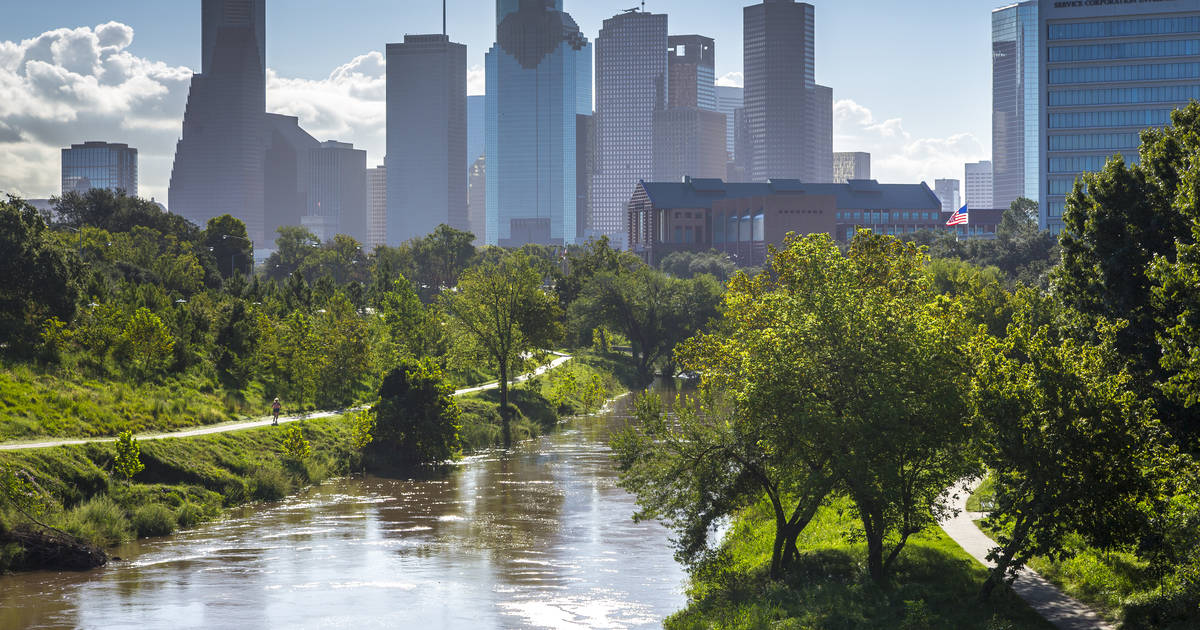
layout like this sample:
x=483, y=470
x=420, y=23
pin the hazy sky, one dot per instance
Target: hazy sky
x=911, y=79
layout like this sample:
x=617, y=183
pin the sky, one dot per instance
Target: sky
x=911, y=80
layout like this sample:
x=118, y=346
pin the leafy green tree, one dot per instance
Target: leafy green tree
x=293, y=248
x=654, y=311
x=234, y=346
x=1117, y=222
x=115, y=211
x=231, y=248
x=583, y=263
x=416, y=418
x=128, y=461
x=440, y=258
x=146, y=342
x=413, y=330
x=362, y=429
x=294, y=445
x=343, y=343
x=1066, y=437
x=685, y=264
x=503, y=311
x=38, y=279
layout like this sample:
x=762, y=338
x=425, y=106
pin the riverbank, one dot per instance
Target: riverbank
x=191, y=480
x=934, y=586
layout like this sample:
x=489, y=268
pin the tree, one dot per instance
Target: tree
x=232, y=250
x=685, y=264
x=502, y=309
x=416, y=418
x=233, y=348
x=413, y=330
x=294, y=246
x=343, y=343
x=1116, y=223
x=295, y=446
x=1066, y=438
x=584, y=262
x=128, y=461
x=841, y=371
x=38, y=279
x=146, y=342
x=653, y=310
x=440, y=258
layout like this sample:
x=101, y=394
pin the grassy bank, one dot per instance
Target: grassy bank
x=191, y=480
x=934, y=585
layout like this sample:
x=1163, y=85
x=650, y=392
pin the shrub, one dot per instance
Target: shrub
x=294, y=446
x=270, y=484
x=99, y=521
x=189, y=514
x=128, y=461
x=154, y=519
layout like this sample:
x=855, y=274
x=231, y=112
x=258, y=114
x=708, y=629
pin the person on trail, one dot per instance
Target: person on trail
x=275, y=407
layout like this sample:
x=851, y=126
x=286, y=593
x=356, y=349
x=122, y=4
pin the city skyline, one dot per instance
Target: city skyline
x=344, y=100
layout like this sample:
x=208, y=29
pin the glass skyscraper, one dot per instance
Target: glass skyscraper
x=631, y=85
x=538, y=81
x=1015, y=94
x=1111, y=71
x=100, y=165
x=219, y=160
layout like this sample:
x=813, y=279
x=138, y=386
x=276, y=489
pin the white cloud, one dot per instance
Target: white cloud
x=476, y=80
x=732, y=79
x=70, y=85
x=896, y=156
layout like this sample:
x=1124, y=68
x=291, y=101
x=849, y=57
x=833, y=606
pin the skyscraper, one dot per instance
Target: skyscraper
x=219, y=158
x=1111, y=70
x=475, y=125
x=337, y=197
x=477, y=199
x=947, y=192
x=287, y=173
x=538, y=82
x=426, y=136
x=1015, y=94
x=691, y=72
x=848, y=166
x=631, y=84
x=376, y=207
x=689, y=135
x=977, y=184
x=100, y=165
x=729, y=100
x=790, y=117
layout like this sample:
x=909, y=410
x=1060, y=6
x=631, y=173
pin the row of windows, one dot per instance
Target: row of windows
x=1061, y=185
x=1108, y=74
x=1119, y=118
x=1094, y=141
x=1129, y=50
x=895, y=230
x=1125, y=28
x=884, y=217
x=1055, y=208
x=1079, y=164
x=737, y=229
x=1116, y=96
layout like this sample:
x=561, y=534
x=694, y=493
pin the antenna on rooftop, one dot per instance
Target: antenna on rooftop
x=443, y=18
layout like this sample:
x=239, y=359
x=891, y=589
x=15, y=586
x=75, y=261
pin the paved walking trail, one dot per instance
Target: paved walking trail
x=1060, y=609
x=266, y=421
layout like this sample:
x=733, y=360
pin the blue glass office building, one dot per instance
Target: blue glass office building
x=1015, y=93
x=100, y=165
x=538, y=80
x=1111, y=70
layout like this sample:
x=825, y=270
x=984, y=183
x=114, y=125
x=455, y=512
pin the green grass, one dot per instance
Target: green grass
x=38, y=405
x=934, y=585
x=984, y=496
x=1105, y=580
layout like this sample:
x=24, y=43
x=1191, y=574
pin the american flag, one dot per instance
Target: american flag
x=958, y=218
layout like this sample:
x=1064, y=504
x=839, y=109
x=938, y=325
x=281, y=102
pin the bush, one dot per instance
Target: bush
x=270, y=484
x=154, y=519
x=189, y=514
x=99, y=521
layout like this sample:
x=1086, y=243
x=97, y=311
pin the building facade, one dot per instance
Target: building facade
x=790, y=117
x=982, y=224
x=631, y=85
x=689, y=141
x=691, y=72
x=1112, y=70
x=477, y=199
x=287, y=173
x=947, y=192
x=376, y=207
x=729, y=100
x=848, y=166
x=100, y=165
x=977, y=185
x=742, y=220
x=426, y=136
x=538, y=81
x=337, y=194
x=219, y=158
x=1016, y=93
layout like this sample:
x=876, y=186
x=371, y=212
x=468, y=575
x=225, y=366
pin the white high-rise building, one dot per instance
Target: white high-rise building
x=376, y=207
x=729, y=100
x=631, y=84
x=947, y=191
x=977, y=184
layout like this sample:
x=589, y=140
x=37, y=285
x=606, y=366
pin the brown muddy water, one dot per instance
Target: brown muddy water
x=540, y=537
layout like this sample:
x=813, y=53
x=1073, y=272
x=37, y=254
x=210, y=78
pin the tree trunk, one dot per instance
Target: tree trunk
x=505, y=420
x=1007, y=555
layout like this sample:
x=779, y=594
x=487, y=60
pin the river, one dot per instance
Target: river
x=540, y=537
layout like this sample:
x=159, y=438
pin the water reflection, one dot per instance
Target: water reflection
x=540, y=537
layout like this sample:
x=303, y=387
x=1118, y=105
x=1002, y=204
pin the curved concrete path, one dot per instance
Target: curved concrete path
x=1060, y=609
x=266, y=421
